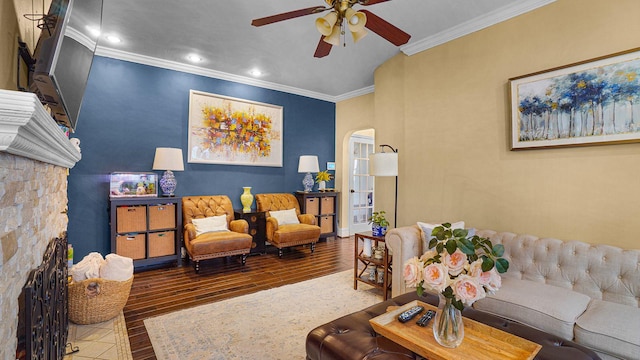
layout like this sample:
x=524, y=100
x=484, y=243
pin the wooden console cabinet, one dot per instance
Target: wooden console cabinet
x=324, y=206
x=148, y=230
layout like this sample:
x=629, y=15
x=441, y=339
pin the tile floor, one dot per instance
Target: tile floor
x=97, y=341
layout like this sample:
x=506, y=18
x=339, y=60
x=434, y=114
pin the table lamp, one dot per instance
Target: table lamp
x=308, y=164
x=168, y=159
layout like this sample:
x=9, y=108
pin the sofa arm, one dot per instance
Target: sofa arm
x=189, y=232
x=403, y=244
x=272, y=226
x=239, y=226
x=308, y=219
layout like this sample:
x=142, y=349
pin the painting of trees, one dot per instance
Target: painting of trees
x=593, y=102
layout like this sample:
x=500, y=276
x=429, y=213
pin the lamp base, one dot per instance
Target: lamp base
x=168, y=184
x=308, y=182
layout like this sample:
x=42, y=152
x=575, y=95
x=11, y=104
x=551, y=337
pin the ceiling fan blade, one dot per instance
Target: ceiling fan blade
x=288, y=15
x=381, y=27
x=323, y=48
x=370, y=2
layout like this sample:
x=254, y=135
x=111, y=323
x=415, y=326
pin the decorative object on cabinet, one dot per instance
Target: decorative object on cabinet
x=213, y=244
x=321, y=178
x=308, y=164
x=588, y=103
x=322, y=205
x=386, y=164
x=124, y=185
x=246, y=199
x=146, y=230
x=231, y=131
x=257, y=229
x=378, y=223
x=380, y=267
x=168, y=159
x=281, y=236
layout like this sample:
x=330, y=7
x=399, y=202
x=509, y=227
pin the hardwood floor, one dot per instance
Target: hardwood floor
x=161, y=291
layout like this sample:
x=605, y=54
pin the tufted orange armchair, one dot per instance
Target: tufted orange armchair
x=281, y=236
x=213, y=244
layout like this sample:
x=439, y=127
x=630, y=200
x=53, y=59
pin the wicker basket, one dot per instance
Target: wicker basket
x=96, y=300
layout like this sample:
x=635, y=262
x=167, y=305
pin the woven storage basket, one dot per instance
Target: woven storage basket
x=96, y=300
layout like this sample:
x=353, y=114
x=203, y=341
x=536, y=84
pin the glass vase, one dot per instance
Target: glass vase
x=448, y=328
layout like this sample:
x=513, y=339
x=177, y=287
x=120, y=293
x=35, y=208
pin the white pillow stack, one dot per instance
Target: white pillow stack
x=113, y=267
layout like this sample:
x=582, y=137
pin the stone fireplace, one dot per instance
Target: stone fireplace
x=35, y=156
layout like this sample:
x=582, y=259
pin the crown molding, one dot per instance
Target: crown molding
x=191, y=69
x=473, y=25
x=27, y=130
x=355, y=93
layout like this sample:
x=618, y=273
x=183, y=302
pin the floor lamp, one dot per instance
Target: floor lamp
x=386, y=164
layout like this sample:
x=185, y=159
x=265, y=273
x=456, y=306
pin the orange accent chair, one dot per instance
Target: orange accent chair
x=214, y=242
x=304, y=231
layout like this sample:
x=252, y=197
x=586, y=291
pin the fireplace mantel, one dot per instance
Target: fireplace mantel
x=26, y=129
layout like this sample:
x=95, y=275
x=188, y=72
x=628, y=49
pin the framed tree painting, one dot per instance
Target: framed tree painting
x=225, y=130
x=590, y=103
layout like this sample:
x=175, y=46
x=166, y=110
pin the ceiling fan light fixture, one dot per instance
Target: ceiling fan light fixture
x=358, y=35
x=356, y=20
x=325, y=23
x=334, y=38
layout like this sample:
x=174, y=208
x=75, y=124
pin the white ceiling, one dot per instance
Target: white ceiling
x=163, y=32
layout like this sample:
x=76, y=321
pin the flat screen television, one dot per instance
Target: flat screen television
x=63, y=57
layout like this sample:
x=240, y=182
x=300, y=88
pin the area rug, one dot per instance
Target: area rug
x=270, y=324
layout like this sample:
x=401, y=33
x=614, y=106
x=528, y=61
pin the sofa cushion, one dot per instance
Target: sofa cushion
x=210, y=224
x=426, y=229
x=546, y=307
x=285, y=217
x=610, y=328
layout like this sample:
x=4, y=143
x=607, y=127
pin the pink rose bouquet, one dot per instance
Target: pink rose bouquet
x=460, y=267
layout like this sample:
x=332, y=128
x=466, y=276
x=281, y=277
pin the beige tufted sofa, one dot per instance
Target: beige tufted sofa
x=586, y=293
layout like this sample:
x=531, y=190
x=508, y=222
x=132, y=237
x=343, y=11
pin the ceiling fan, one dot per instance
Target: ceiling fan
x=330, y=25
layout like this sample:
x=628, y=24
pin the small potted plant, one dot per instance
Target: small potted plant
x=321, y=178
x=379, y=223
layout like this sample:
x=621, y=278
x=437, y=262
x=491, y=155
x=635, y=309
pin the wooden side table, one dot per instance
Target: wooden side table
x=257, y=229
x=381, y=265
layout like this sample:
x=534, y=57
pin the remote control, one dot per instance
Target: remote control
x=424, y=320
x=410, y=314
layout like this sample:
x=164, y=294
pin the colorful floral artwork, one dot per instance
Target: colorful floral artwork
x=595, y=102
x=224, y=130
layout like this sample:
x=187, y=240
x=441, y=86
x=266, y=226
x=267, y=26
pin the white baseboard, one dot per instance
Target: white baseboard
x=343, y=232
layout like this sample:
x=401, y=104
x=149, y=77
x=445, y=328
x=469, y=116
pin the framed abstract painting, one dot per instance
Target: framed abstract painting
x=594, y=102
x=226, y=130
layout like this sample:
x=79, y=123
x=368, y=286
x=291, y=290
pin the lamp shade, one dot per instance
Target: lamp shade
x=168, y=159
x=325, y=24
x=308, y=164
x=356, y=20
x=334, y=38
x=383, y=164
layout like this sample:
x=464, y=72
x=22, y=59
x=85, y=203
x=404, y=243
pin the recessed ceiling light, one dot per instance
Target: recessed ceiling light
x=194, y=58
x=95, y=31
x=255, y=72
x=113, y=39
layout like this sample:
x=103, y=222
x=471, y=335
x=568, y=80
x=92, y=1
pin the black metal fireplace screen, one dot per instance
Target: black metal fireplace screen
x=45, y=305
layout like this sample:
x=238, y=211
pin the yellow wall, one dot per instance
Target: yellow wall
x=13, y=26
x=446, y=109
x=359, y=114
x=8, y=44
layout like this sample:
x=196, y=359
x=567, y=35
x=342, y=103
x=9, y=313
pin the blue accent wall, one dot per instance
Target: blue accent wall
x=130, y=109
